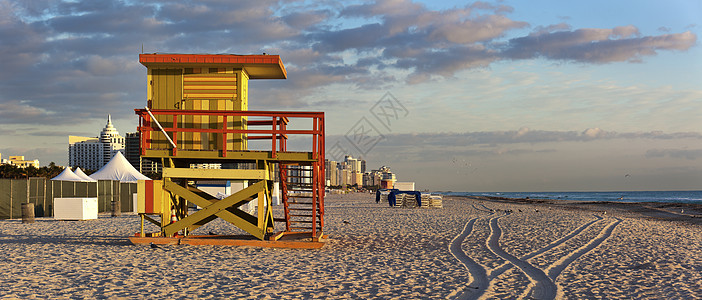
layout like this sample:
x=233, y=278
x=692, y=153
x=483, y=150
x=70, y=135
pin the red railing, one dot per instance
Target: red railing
x=277, y=133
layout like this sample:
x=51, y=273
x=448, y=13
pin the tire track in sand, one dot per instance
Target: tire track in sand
x=542, y=284
x=480, y=282
x=555, y=269
x=498, y=271
x=542, y=287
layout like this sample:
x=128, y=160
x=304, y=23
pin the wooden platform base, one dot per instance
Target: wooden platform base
x=284, y=240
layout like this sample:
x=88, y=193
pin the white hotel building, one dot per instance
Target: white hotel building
x=91, y=153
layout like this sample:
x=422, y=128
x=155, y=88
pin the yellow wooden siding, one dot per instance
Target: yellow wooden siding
x=167, y=92
x=240, y=141
x=223, y=89
x=209, y=86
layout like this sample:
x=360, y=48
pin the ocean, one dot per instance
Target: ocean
x=624, y=196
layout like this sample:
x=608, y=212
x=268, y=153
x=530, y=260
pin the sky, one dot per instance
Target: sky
x=509, y=95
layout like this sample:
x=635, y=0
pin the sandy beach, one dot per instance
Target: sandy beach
x=469, y=249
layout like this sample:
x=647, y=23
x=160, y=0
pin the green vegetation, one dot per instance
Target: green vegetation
x=14, y=172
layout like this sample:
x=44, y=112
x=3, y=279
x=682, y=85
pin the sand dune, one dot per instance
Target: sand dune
x=469, y=249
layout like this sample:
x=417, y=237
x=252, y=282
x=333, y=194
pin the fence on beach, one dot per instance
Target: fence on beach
x=42, y=191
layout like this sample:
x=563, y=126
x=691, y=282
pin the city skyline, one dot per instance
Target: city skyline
x=489, y=96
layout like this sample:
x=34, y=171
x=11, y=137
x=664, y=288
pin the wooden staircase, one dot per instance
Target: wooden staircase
x=302, y=199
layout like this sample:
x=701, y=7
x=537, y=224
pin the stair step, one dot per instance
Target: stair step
x=304, y=228
x=303, y=209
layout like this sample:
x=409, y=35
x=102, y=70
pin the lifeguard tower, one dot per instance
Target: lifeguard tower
x=196, y=117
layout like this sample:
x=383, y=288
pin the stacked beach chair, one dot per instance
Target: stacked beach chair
x=400, y=200
x=383, y=198
x=432, y=201
x=436, y=201
x=408, y=201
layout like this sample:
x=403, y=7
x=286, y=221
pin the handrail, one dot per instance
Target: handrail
x=161, y=127
x=244, y=113
x=278, y=124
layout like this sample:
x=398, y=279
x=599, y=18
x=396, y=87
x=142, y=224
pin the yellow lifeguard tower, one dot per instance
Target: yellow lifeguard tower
x=197, y=115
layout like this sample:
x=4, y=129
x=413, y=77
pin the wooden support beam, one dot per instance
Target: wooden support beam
x=225, y=209
x=232, y=174
x=151, y=220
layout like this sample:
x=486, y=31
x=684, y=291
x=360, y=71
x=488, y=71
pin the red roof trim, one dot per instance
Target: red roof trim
x=209, y=58
x=257, y=59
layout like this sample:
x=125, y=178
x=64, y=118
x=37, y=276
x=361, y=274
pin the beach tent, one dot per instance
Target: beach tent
x=118, y=169
x=81, y=174
x=68, y=175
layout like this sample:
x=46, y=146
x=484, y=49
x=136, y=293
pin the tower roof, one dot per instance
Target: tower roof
x=257, y=66
x=109, y=130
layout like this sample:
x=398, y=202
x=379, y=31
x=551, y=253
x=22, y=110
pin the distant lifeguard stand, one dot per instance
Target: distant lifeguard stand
x=196, y=117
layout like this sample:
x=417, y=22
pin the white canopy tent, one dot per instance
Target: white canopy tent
x=118, y=169
x=81, y=174
x=68, y=175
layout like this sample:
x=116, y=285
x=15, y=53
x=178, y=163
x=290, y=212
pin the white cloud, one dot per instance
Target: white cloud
x=391, y=41
x=12, y=112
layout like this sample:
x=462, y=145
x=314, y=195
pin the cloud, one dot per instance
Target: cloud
x=442, y=142
x=78, y=59
x=12, y=112
x=594, y=133
x=304, y=20
x=689, y=154
x=596, y=45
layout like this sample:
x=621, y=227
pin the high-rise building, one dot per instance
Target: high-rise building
x=92, y=153
x=354, y=165
x=331, y=171
x=348, y=172
x=367, y=179
x=132, y=152
x=345, y=177
x=358, y=179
